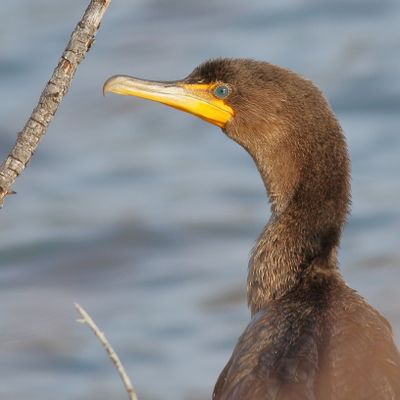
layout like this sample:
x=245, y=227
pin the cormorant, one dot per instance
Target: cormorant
x=310, y=336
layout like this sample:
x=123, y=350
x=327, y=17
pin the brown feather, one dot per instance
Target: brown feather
x=310, y=336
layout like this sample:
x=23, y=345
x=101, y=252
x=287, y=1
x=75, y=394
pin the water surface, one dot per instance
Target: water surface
x=145, y=215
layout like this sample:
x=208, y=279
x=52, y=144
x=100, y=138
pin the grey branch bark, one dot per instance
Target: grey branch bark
x=29, y=138
x=86, y=319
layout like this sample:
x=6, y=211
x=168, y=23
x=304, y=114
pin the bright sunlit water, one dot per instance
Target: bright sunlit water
x=145, y=215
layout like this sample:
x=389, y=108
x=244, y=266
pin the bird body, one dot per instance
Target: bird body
x=320, y=341
x=311, y=337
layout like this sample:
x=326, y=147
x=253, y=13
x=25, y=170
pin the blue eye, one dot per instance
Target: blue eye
x=222, y=91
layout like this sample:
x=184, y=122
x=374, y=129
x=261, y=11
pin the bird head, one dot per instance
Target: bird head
x=282, y=119
x=254, y=102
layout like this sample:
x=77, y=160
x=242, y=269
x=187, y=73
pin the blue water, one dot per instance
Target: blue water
x=145, y=215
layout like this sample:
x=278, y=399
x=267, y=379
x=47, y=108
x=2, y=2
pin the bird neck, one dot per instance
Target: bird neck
x=309, y=204
x=283, y=256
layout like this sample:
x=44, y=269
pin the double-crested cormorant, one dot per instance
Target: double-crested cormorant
x=310, y=336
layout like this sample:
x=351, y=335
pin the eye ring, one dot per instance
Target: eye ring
x=222, y=91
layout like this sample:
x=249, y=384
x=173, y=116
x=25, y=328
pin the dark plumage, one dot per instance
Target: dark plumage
x=310, y=336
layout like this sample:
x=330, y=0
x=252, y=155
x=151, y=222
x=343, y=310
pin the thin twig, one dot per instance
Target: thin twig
x=86, y=319
x=28, y=139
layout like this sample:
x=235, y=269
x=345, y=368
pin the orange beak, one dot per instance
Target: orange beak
x=196, y=99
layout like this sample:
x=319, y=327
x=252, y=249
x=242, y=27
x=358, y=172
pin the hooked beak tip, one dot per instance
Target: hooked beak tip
x=112, y=83
x=106, y=86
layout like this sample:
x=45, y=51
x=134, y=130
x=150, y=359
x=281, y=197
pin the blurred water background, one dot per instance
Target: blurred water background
x=145, y=215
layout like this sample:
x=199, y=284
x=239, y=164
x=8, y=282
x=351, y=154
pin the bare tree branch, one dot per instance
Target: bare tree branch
x=86, y=319
x=28, y=140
